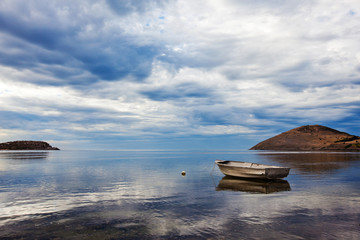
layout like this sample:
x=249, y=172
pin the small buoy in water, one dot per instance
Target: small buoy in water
x=183, y=173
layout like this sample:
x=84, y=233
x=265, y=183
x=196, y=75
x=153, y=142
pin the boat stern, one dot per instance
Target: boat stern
x=275, y=173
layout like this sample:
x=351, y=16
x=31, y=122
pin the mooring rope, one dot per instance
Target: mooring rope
x=213, y=169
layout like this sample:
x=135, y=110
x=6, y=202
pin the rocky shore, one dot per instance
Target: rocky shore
x=311, y=138
x=27, y=145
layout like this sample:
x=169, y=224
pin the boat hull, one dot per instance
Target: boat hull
x=251, y=170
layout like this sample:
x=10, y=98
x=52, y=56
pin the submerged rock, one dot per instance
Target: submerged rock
x=27, y=145
x=311, y=138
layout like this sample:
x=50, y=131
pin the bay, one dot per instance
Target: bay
x=143, y=195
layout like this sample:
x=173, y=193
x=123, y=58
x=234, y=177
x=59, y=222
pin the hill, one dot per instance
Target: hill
x=311, y=138
x=27, y=145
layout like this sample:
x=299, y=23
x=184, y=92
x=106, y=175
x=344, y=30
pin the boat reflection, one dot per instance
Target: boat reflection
x=252, y=185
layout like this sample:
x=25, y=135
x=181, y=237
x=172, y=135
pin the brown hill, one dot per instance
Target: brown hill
x=311, y=138
x=26, y=145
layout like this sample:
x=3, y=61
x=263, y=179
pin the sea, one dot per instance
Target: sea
x=72, y=194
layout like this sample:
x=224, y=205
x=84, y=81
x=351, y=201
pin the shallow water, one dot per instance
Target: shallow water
x=142, y=195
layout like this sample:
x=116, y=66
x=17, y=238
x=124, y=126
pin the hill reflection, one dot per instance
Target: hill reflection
x=24, y=155
x=318, y=163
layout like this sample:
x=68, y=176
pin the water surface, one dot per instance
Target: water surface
x=142, y=195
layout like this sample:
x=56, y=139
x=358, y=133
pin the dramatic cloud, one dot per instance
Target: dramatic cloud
x=159, y=70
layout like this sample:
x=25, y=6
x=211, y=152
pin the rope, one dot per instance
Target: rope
x=211, y=175
x=212, y=169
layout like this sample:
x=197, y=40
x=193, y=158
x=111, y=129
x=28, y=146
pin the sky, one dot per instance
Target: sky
x=176, y=74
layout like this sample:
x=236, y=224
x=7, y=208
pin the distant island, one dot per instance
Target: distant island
x=27, y=145
x=311, y=138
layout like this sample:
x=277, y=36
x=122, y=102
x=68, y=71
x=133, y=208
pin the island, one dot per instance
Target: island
x=27, y=145
x=311, y=138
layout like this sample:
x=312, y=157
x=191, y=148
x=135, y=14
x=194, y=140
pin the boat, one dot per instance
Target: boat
x=251, y=170
x=253, y=185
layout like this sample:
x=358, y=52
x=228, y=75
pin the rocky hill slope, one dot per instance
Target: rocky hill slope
x=311, y=138
x=27, y=145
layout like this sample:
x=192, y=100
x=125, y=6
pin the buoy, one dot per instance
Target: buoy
x=183, y=173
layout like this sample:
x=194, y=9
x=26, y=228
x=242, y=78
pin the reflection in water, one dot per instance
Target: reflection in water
x=316, y=163
x=24, y=155
x=10, y=159
x=141, y=195
x=252, y=185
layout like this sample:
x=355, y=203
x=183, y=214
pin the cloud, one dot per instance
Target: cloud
x=56, y=34
x=128, y=7
x=184, y=90
x=179, y=68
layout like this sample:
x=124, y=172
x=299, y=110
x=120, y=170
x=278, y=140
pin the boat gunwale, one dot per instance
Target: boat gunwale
x=252, y=166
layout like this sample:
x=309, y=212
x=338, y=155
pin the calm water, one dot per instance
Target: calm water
x=142, y=195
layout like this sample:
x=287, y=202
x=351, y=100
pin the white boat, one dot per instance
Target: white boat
x=251, y=170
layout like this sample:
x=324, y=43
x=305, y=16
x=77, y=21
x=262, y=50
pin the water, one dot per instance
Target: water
x=142, y=195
